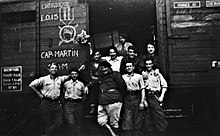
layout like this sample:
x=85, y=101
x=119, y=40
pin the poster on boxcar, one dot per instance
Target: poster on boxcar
x=11, y=79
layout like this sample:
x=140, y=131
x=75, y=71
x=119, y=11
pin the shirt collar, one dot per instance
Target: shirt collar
x=130, y=75
x=75, y=81
x=116, y=59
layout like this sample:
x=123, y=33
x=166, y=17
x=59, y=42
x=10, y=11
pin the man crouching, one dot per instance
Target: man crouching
x=112, y=87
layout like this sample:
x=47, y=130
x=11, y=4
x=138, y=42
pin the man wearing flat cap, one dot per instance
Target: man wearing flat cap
x=112, y=88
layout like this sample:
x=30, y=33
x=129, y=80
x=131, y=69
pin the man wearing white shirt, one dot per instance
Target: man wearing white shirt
x=114, y=59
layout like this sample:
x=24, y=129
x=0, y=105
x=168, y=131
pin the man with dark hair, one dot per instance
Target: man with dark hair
x=48, y=89
x=112, y=88
x=93, y=66
x=131, y=56
x=156, y=86
x=150, y=54
x=74, y=95
x=114, y=59
x=133, y=101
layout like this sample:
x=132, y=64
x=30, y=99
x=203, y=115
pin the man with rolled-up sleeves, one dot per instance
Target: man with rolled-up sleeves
x=48, y=89
x=74, y=95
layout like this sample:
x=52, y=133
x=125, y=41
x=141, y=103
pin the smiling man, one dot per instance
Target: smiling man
x=74, y=94
x=48, y=89
x=133, y=101
x=111, y=92
x=156, y=86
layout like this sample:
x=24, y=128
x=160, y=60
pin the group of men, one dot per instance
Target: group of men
x=126, y=94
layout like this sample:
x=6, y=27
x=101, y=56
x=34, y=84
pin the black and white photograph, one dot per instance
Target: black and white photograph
x=110, y=67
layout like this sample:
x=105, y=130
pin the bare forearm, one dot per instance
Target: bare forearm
x=142, y=95
x=163, y=91
x=37, y=92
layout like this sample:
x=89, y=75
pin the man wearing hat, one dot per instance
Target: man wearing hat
x=112, y=88
x=74, y=95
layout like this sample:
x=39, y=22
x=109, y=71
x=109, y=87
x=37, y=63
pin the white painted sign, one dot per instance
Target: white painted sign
x=215, y=3
x=188, y=4
x=11, y=79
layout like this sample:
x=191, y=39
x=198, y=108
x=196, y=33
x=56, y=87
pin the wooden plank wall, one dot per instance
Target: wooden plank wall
x=55, y=19
x=18, y=45
x=193, y=42
x=34, y=44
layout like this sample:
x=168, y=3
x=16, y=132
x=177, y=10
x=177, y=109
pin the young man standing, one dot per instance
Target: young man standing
x=156, y=86
x=48, y=89
x=112, y=87
x=74, y=94
x=133, y=101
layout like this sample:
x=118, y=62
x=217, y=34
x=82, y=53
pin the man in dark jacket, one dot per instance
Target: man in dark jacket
x=112, y=88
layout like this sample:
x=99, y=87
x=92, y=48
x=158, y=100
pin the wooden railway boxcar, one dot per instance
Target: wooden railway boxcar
x=186, y=32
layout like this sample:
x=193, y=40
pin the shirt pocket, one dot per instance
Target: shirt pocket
x=47, y=84
x=58, y=85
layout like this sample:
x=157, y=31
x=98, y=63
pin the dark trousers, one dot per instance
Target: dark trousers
x=132, y=116
x=154, y=116
x=73, y=113
x=52, y=115
x=94, y=94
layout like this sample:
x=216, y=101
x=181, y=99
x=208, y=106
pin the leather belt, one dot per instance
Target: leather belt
x=153, y=92
x=51, y=99
x=133, y=92
x=73, y=100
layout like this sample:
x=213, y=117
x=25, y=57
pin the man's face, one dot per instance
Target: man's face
x=131, y=53
x=105, y=70
x=112, y=53
x=53, y=69
x=121, y=39
x=97, y=56
x=150, y=48
x=129, y=67
x=74, y=75
x=149, y=65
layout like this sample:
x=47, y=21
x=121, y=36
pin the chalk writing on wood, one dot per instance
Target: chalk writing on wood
x=196, y=11
x=215, y=3
x=49, y=17
x=63, y=66
x=51, y=5
x=11, y=79
x=67, y=34
x=189, y=4
x=58, y=11
x=59, y=54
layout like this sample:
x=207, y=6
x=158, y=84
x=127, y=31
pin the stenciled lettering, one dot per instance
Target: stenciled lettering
x=51, y=5
x=49, y=17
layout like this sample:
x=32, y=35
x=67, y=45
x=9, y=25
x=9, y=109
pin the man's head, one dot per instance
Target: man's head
x=129, y=67
x=53, y=68
x=96, y=55
x=131, y=51
x=150, y=48
x=73, y=73
x=105, y=67
x=113, y=53
x=149, y=64
x=122, y=38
